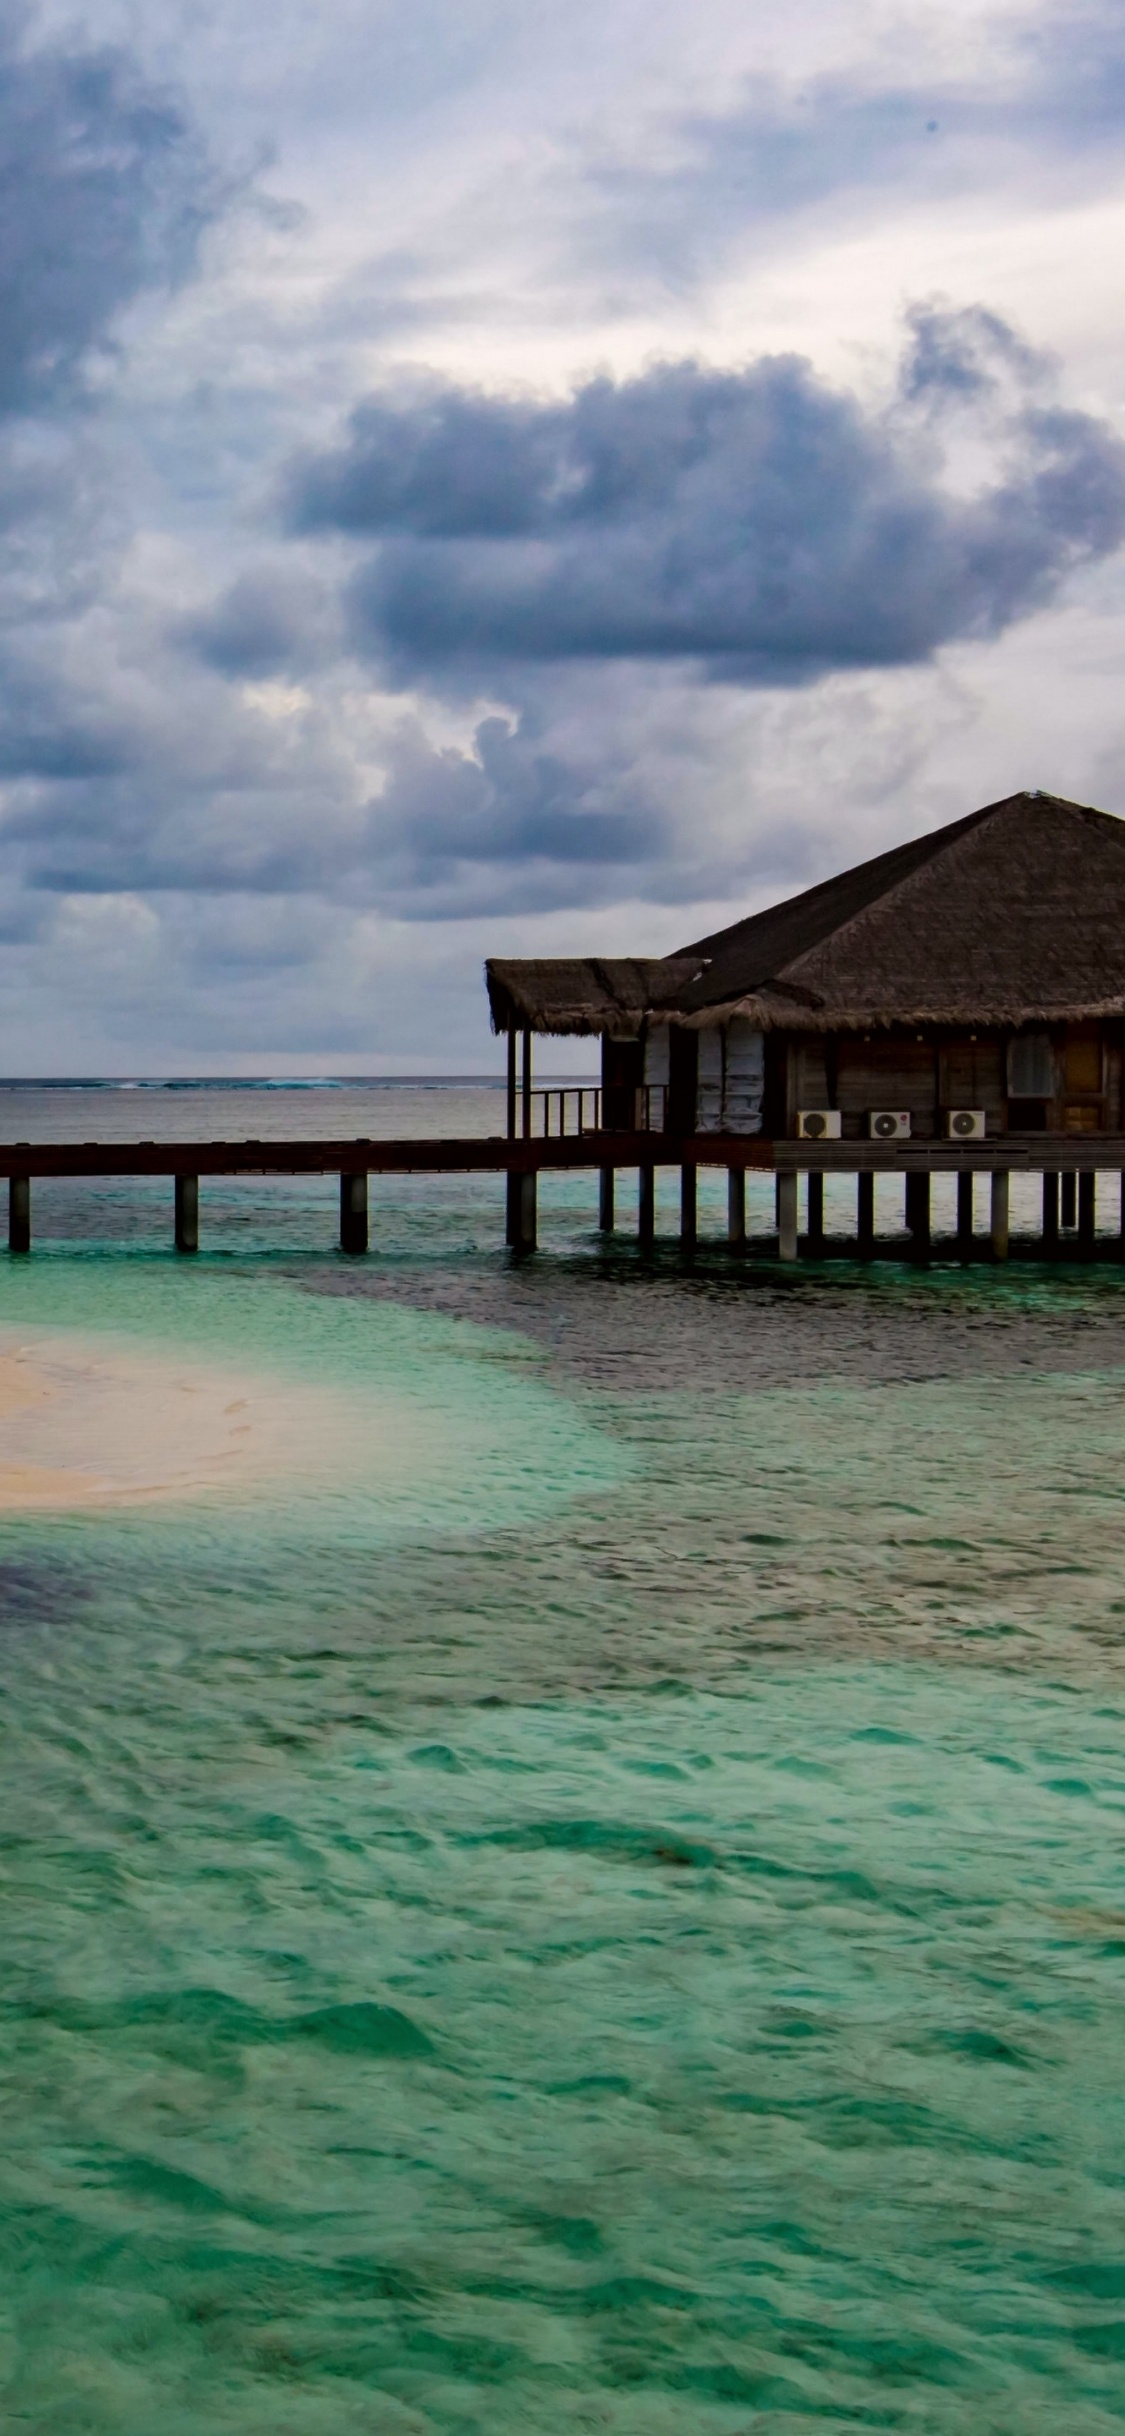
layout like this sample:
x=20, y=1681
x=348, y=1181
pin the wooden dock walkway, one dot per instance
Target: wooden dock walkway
x=1069, y=1165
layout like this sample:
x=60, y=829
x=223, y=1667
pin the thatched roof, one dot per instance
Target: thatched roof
x=1015, y=915
x=585, y=993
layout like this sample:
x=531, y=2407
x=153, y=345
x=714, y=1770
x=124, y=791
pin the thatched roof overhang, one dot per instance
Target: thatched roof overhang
x=586, y=994
x=769, y=1011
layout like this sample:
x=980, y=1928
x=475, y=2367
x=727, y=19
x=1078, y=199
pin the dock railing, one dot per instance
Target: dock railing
x=559, y=1110
x=568, y=1108
x=652, y=1107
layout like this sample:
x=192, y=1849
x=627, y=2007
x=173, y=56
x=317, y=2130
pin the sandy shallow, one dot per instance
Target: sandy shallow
x=87, y=1424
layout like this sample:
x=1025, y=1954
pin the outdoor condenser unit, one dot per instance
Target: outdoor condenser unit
x=818, y=1124
x=965, y=1124
x=888, y=1124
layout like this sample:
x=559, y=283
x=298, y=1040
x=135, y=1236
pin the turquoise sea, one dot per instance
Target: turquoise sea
x=587, y=1893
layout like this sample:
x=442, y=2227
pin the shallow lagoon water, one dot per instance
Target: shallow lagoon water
x=614, y=1922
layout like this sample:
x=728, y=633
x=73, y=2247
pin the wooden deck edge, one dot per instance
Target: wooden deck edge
x=1032, y=1154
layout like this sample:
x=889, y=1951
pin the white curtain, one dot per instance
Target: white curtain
x=744, y=1077
x=709, y=1101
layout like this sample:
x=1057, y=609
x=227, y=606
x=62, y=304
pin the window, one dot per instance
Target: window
x=1082, y=1060
x=1031, y=1066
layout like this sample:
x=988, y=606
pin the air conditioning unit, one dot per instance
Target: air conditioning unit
x=818, y=1124
x=888, y=1124
x=965, y=1124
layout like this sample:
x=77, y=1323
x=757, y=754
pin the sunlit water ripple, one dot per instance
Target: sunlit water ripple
x=590, y=1895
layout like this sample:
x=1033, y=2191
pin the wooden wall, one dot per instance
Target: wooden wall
x=928, y=1074
x=889, y=1071
x=1082, y=1067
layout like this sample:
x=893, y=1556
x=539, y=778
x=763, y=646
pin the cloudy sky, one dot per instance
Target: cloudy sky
x=481, y=476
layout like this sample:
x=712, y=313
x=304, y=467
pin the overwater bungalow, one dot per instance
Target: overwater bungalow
x=966, y=986
x=971, y=981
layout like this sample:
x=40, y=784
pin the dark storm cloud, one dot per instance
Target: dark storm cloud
x=103, y=192
x=759, y=521
x=965, y=355
x=520, y=821
x=46, y=737
x=104, y=189
x=522, y=816
x=268, y=622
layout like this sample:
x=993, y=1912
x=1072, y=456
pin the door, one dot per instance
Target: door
x=683, y=1078
x=622, y=1075
x=1083, y=1108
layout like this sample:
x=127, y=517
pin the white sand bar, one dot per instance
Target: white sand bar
x=85, y=1422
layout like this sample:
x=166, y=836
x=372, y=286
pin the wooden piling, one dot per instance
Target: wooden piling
x=689, y=1207
x=1087, y=1213
x=646, y=1203
x=787, y=1213
x=187, y=1213
x=865, y=1215
x=965, y=1215
x=527, y=1212
x=512, y=1084
x=19, y=1213
x=526, y=1080
x=918, y=1213
x=814, y=1227
x=1000, y=1202
x=736, y=1208
x=606, y=1181
x=1069, y=1198
x=1049, y=1240
x=353, y=1213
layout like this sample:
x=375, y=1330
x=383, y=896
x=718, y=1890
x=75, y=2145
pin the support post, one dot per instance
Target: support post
x=606, y=1181
x=646, y=1203
x=512, y=1083
x=1049, y=1243
x=353, y=1213
x=689, y=1207
x=19, y=1213
x=918, y=1213
x=787, y=1213
x=865, y=1214
x=736, y=1208
x=814, y=1230
x=187, y=1213
x=999, y=1229
x=527, y=1082
x=1069, y=1196
x=511, y=1209
x=965, y=1182
x=1087, y=1212
x=527, y=1198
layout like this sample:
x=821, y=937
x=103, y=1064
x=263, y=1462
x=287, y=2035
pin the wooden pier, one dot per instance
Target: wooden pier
x=1068, y=1165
